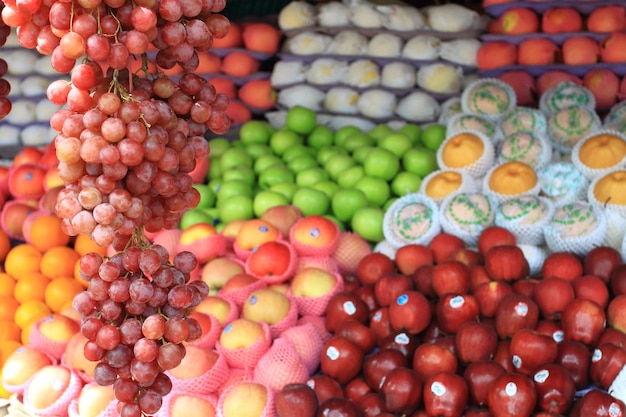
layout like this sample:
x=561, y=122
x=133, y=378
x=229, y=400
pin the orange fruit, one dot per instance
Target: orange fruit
x=61, y=291
x=28, y=154
x=8, y=305
x=9, y=331
x=59, y=261
x=22, y=259
x=29, y=311
x=6, y=348
x=7, y=284
x=46, y=232
x=31, y=286
x=5, y=244
x=83, y=244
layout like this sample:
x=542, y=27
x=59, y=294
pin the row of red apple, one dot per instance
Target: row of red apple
x=444, y=330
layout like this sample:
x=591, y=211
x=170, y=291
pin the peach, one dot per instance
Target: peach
x=315, y=236
x=561, y=19
x=26, y=181
x=580, y=50
x=202, y=240
x=551, y=78
x=224, y=86
x=496, y=54
x=607, y=19
x=537, y=51
x=523, y=84
x=239, y=64
x=604, y=85
x=208, y=63
x=74, y=356
x=258, y=94
x=613, y=48
x=233, y=38
x=261, y=37
x=515, y=21
x=238, y=113
x=223, y=310
x=218, y=271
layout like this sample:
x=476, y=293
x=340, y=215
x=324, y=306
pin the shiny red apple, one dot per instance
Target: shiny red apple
x=494, y=236
x=445, y=395
x=342, y=407
x=423, y=280
x=597, y=403
x=410, y=311
x=479, y=376
x=296, y=400
x=555, y=388
x=390, y=286
x=489, y=295
x=451, y=277
x=410, y=257
x=564, y=265
x=373, y=266
x=432, y=358
x=377, y=365
x=325, y=387
x=515, y=312
x=506, y=263
x=341, y=359
x=583, y=321
x=592, y=288
x=530, y=349
x=601, y=261
x=552, y=295
x=606, y=363
x=512, y=394
x=402, y=390
x=343, y=306
x=576, y=358
x=475, y=341
x=443, y=245
x=358, y=333
x=453, y=310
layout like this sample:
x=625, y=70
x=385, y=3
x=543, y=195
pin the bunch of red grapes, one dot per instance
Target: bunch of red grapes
x=5, y=87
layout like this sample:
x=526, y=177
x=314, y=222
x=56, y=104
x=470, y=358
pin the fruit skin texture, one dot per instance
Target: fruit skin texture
x=512, y=394
x=296, y=400
x=341, y=359
x=506, y=263
x=564, y=265
x=494, y=236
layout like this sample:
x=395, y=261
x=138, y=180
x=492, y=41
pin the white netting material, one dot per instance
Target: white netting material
x=523, y=119
x=526, y=206
x=500, y=197
x=479, y=214
x=288, y=321
x=281, y=365
x=535, y=255
x=469, y=184
x=411, y=219
x=463, y=122
x=308, y=344
x=268, y=411
x=385, y=248
x=562, y=182
x=566, y=94
x=304, y=249
x=449, y=108
x=579, y=245
x=592, y=173
x=60, y=406
x=615, y=214
x=321, y=262
x=569, y=126
x=316, y=306
x=319, y=323
x=207, y=383
x=45, y=344
x=247, y=357
x=488, y=97
x=478, y=168
x=532, y=148
x=617, y=115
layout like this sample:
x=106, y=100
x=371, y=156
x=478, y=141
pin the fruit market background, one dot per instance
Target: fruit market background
x=342, y=208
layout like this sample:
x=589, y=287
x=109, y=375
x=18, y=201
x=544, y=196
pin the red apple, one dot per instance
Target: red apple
x=597, y=403
x=552, y=295
x=358, y=333
x=367, y=295
x=451, y=277
x=403, y=341
x=371, y=404
x=606, y=363
x=423, y=280
x=455, y=309
x=341, y=359
x=612, y=48
x=576, y=358
x=525, y=286
x=443, y=245
x=338, y=407
x=591, y=288
x=377, y=365
x=402, y=390
x=618, y=280
x=410, y=257
x=561, y=20
x=388, y=287
x=496, y=54
x=494, y=236
x=611, y=335
x=530, y=349
x=478, y=276
x=523, y=83
x=325, y=387
x=506, y=263
x=410, y=311
x=515, y=312
x=488, y=296
x=479, y=376
x=580, y=50
x=503, y=355
x=351, y=283
x=379, y=323
x=431, y=359
x=607, y=19
x=615, y=313
x=445, y=395
x=537, y=51
x=512, y=394
x=564, y=265
x=373, y=266
x=297, y=400
x=447, y=341
x=356, y=389
x=551, y=328
x=583, y=321
x=555, y=388
x=515, y=21
x=475, y=341
x=467, y=256
x=342, y=306
x=475, y=411
x=604, y=84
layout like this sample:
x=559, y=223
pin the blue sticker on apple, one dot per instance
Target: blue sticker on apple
x=228, y=327
x=263, y=229
x=252, y=300
x=402, y=299
x=315, y=232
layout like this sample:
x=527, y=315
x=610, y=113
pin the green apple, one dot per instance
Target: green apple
x=433, y=136
x=311, y=176
x=301, y=163
x=283, y=139
x=298, y=151
x=310, y=201
x=256, y=150
x=237, y=207
x=375, y=189
x=215, y=185
x=232, y=188
x=255, y=132
x=368, y=223
x=414, y=132
x=327, y=187
x=420, y=161
x=266, y=161
x=301, y=119
x=237, y=144
x=381, y=163
x=207, y=196
x=235, y=158
x=342, y=134
x=342, y=225
x=320, y=136
x=360, y=154
x=358, y=140
x=326, y=152
x=214, y=212
x=194, y=216
x=243, y=173
x=288, y=189
x=405, y=183
x=267, y=199
x=348, y=177
x=380, y=131
x=337, y=164
x=217, y=147
x=275, y=174
x=397, y=143
x=346, y=201
x=389, y=203
x=215, y=169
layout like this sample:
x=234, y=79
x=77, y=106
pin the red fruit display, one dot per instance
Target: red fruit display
x=451, y=277
x=583, y=321
x=445, y=394
x=506, y=263
x=494, y=236
x=341, y=359
x=530, y=349
x=410, y=311
x=563, y=265
x=515, y=312
x=373, y=266
x=512, y=394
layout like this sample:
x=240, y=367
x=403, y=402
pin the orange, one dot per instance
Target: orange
x=61, y=291
x=29, y=311
x=6, y=348
x=59, y=261
x=83, y=244
x=7, y=284
x=28, y=327
x=47, y=232
x=22, y=259
x=9, y=331
x=31, y=286
x=8, y=305
x=5, y=244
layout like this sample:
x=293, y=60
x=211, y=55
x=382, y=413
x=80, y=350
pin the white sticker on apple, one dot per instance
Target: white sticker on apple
x=615, y=410
x=315, y=232
x=456, y=302
x=597, y=355
x=402, y=339
x=510, y=389
x=517, y=361
x=252, y=301
x=349, y=307
x=377, y=316
x=541, y=376
x=437, y=388
x=332, y=353
x=521, y=309
x=57, y=385
x=558, y=336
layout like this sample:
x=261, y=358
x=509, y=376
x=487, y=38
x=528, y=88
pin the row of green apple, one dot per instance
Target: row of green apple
x=349, y=175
